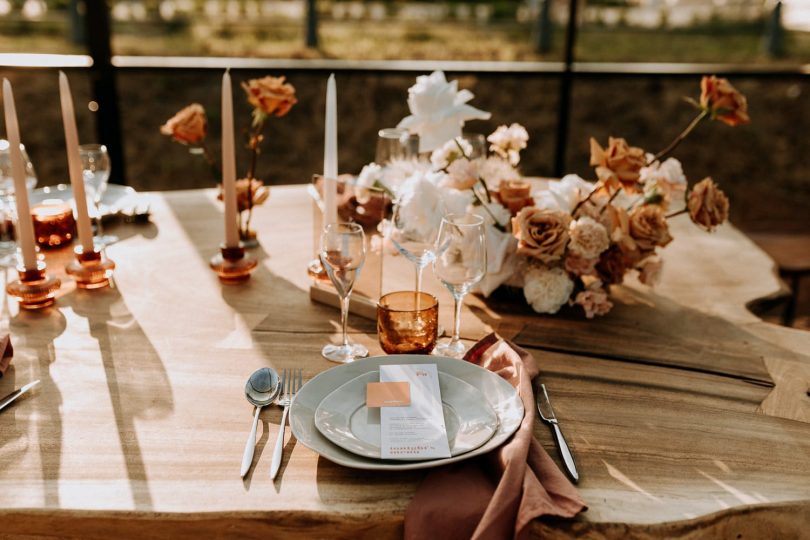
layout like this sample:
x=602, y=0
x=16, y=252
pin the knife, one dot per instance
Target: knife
x=548, y=416
x=9, y=399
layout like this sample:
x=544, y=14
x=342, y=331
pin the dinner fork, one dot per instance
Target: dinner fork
x=291, y=380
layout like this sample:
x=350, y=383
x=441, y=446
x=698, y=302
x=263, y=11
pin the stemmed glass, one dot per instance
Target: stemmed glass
x=342, y=253
x=414, y=242
x=96, y=169
x=460, y=262
x=395, y=144
x=8, y=210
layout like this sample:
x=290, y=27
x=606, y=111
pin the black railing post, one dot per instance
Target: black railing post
x=104, y=91
x=566, y=80
x=312, y=24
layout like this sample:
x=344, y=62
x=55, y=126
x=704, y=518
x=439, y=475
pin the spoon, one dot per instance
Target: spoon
x=261, y=389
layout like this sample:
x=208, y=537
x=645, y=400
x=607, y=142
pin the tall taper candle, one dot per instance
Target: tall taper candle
x=75, y=165
x=25, y=226
x=330, y=159
x=229, y=164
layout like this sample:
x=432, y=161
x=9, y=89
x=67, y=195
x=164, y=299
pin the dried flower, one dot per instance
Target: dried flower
x=462, y=174
x=649, y=270
x=594, y=300
x=547, y=289
x=614, y=263
x=270, y=95
x=648, y=227
x=542, y=234
x=708, y=205
x=507, y=142
x=588, y=238
x=578, y=265
x=723, y=101
x=494, y=170
x=515, y=195
x=618, y=165
x=188, y=126
x=249, y=193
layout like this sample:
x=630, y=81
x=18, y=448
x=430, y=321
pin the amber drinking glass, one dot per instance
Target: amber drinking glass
x=408, y=322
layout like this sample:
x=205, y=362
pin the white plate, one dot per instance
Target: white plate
x=503, y=399
x=343, y=418
x=115, y=197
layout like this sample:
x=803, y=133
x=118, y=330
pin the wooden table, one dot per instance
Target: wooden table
x=687, y=414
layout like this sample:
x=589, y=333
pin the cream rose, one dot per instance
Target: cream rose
x=707, y=204
x=270, y=95
x=547, y=289
x=648, y=227
x=542, y=234
x=588, y=238
x=188, y=126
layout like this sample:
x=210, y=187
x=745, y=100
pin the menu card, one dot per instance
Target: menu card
x=415, y=431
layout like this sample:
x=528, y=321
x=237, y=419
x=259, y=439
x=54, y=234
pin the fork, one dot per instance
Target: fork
x=292, y=380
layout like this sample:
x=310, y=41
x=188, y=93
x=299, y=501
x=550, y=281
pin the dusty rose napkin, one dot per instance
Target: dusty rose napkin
x=496, y=495
x=6, y=353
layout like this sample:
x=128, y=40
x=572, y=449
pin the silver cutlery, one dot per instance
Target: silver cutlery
x=291, y=380
x=9, y=399
x=261, y=389
x=548, y=416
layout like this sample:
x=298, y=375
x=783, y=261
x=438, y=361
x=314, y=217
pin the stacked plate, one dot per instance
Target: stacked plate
x=329, y=416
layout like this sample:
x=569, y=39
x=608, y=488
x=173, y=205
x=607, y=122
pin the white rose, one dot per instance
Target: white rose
x=547, y=289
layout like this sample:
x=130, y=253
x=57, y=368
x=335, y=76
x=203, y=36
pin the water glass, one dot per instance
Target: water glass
x=396, y=144
x=96, y=168
x=412, y=240
x=342, y=253
x=460, y=262
x=408, y=322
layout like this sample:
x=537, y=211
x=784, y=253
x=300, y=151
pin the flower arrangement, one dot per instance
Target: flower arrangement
x=565, y=243
x=269, y=97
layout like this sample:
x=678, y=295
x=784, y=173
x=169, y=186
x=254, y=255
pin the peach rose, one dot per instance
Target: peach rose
x=189, y=126
x=270, y=95
x=707, y=204
x=723, y=101
x=515, y=195
x=579, y=266
x=648, y=227
x=246, y=200
x=542, y=234
x=617, y=222
x=618, y=165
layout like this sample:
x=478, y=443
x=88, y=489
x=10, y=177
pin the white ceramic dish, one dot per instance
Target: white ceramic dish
x=114, y=199
x=503, y=399
x=343, y=418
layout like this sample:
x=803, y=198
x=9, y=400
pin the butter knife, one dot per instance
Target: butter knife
x=548, y=416
x=9, y=399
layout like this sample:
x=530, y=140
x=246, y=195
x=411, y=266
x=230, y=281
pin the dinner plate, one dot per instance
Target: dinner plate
x=114, y=198
x=503, y=399
x=343, y=418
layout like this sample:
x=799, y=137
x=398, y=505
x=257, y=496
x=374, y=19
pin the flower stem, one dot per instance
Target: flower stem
x=498, y=225
x=692, y=125
x=211, y=161
x=612, y=198
x=586, y=199
x=678, y=213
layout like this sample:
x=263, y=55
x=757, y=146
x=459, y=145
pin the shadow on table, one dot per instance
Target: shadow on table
x=336, y=482
x=138, y=384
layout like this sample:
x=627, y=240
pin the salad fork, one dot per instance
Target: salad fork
x=292, y=380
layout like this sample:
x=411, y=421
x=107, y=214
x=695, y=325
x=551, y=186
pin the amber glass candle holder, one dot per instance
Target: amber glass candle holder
x=91, y=270
x=232, y=265
x=35, y=289
x=408, y=322
x=54, y=225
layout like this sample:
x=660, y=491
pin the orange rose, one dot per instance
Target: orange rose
x=618, y=165
x=542, y=234
x=515, y=195
x=648, y=227
x=707, y=204
x=270, y=95
x=723, y=101
x=188, y=126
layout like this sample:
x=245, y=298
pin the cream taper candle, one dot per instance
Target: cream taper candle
x=330, y=159
x=229, y=164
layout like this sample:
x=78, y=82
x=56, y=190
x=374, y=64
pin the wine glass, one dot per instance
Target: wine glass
x=478, y=143
x=413, y=239
x=342, y=253
x=8, y=209
x=96, y=169
x=395, y=144
x=460, y=262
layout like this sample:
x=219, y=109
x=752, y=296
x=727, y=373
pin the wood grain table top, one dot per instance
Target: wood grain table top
x=688, y=415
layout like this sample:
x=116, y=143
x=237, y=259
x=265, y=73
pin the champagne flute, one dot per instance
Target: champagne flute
x=460, y=262
x=342, y=253
x=96, y=169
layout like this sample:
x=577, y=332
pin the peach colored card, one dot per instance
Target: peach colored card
x=388, y=394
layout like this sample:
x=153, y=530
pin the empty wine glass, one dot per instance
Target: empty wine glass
x=412, y=238
x=96, y=169
x=394, y=144
x=460, y=262
x=342, y=253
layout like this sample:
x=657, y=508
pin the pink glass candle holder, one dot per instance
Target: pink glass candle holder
x=91, y=270
x=233, y=265
x=34, y=289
